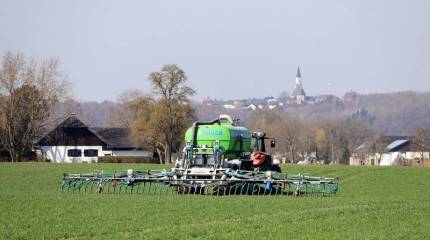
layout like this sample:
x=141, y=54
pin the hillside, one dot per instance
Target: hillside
x=392, y=113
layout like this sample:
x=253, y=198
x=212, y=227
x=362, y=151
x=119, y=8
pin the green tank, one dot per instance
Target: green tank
x=228, y=135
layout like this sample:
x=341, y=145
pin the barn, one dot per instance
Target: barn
x=404, y=152
x=73, y=141
x=397, y=150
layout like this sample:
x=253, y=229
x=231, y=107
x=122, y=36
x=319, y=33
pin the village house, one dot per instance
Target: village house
x=73, y=141
x=394, y=150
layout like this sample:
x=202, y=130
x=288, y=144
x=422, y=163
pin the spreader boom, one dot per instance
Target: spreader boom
x=165, y=182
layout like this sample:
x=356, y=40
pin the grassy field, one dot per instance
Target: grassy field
x=373, y=203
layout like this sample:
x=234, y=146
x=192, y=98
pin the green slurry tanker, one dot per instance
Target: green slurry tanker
x=219, y=158
x=234, y=140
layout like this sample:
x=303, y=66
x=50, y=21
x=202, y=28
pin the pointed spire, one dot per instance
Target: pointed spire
x=299, y=75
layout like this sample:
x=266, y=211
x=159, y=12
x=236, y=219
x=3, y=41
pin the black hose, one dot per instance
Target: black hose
x=196, y=124
x=241, y=146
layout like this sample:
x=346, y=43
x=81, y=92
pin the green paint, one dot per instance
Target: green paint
x=227, y=135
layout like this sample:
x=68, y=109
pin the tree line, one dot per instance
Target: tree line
x=326, y=140
x=30, y=91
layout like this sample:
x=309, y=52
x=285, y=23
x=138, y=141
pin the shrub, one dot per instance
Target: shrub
x=125, y=159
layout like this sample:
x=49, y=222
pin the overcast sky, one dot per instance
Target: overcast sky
x=229, y=49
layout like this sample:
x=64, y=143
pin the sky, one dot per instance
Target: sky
x=228, y=49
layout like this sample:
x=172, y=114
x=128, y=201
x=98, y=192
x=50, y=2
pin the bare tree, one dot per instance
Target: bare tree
x=132, y=104
x=145, y=131
x=290, y=136
x=150, y=128
x=267, y=121
x=422, y=140
x=286, y=130
x=328, y=141
x=29, y=90
x=307, y=142
x=321, y=144
x=171, y=113
x=377, y=148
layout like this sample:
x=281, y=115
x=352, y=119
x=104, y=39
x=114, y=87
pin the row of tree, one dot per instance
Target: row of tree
x=324, y=140
x=30, y=90
x=327, y=140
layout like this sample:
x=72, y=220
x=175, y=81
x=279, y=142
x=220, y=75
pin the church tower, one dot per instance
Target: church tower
x=299, y=93
x=298, y=77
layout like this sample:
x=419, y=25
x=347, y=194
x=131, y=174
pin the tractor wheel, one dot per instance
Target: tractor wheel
x=276, y=168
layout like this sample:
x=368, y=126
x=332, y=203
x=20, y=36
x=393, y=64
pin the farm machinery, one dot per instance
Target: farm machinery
x=219, y=158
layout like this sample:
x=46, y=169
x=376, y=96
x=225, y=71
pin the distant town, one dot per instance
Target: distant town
x=297, y=97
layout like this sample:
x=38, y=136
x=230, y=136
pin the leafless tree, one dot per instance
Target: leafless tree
x=377, y=148
x=132, y=104
x=321, y=144
x=171, y=113
x=422, y=140
x=29, y=90
x=285, y=129
x=150, y=127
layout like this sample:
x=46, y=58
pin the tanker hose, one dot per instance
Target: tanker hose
x=194, y=131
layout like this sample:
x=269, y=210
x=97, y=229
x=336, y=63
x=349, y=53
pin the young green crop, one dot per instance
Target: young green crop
x=372, y=203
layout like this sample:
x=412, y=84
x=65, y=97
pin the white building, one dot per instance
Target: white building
x=251, y=107
x=403, y=152
x=229, y=106
x=73, y=141
x=398, y=150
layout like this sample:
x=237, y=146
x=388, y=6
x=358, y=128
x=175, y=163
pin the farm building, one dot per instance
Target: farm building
x=74, y=141
x=393, y=150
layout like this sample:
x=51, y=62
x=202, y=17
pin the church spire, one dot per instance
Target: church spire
x=298, y=93
x=299, y=75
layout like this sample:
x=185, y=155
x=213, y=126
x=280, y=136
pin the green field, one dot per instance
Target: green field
x=373, y=203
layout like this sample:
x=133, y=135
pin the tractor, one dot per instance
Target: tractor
x=219, y=158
